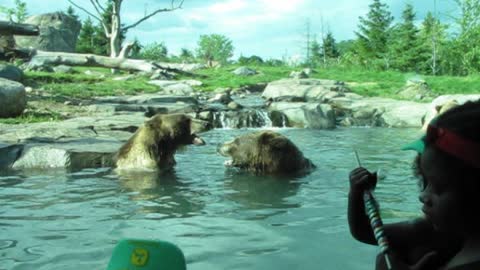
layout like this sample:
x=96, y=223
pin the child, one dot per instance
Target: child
x=447, y=237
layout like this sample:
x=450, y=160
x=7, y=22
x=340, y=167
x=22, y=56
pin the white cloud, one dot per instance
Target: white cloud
x=267, y=28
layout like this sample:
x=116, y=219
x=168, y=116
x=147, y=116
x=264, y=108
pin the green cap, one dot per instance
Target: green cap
x=417, y=145
x=135, y=254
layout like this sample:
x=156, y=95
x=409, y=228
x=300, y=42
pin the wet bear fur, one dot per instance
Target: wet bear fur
x=265, y=152
x=153, y=145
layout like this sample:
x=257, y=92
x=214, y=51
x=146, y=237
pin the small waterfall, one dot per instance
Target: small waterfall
x=251, y=118
x=284, y=121
x=264, y=118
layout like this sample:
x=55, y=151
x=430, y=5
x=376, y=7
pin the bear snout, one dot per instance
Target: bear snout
x=222, y=149
x=197, y=140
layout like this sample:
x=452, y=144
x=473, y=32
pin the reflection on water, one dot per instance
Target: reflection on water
x=161, y=195
x=221, y=218
x=257, y=192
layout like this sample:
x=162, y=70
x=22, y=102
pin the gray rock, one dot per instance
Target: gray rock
x=298, y=75
x=173, y=87
x=58, y=32
x=63, y=69
x=382, y=112
x=232, y=105
x=9, y=154
x=72, y=155
x=244, y=71
x=13, y=98
x=416, y=89
x=306, y=115
x=314, y=90
x=10, y=72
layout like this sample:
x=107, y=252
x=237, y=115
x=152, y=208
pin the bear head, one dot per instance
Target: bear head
x=154, y=143
x=265, y=152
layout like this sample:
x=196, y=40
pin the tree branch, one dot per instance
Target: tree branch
x=86, y=11
x=100, y=6
x=97, y=6
x=154, y=13
x=105, y=28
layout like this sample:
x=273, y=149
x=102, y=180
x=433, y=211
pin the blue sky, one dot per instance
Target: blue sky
x=268, y=28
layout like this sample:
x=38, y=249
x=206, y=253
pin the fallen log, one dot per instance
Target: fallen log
x=12, y=28
x=41, y=58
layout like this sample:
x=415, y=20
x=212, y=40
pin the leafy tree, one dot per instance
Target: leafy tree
x=251, y=60
x=155, y=52
x=433, y=39
x=18, y=13
x=214, y=47
x=373, y=34
x=467, y=44
x=136, y=49
x=405, y=46
x=186, y=55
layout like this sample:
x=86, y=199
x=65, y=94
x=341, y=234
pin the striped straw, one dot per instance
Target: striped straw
x=373, y=213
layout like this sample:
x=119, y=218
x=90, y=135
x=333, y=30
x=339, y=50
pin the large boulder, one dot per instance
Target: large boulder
x=13, y=98
x=304, y=90
x=10, y=72
x=416, y=89
x=306, y=115
x=58, y=32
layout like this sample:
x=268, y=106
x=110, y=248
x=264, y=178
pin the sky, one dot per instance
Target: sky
x=267, y=28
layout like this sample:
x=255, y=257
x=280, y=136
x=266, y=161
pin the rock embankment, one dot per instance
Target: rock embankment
x=98, y=127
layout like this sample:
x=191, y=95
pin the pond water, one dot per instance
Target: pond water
x=221, y=219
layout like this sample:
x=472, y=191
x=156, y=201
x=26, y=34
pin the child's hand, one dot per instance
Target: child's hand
x=361, y=179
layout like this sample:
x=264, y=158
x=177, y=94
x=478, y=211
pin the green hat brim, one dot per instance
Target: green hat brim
x=417, y=145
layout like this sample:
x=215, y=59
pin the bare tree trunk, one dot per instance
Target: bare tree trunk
x=115, y=29
x=77, y=59
x=11, y=28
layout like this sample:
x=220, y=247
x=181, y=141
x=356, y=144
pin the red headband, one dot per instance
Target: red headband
x=455, y=145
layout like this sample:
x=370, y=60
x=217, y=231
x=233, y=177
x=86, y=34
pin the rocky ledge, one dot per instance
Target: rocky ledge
x=97, y=128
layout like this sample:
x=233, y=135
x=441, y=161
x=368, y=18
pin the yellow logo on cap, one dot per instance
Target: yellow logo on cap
x=139, y=257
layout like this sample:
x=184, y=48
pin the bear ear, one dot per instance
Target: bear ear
x=273, y=140
x=155, y=121
x=278, y=142
x=265, y=137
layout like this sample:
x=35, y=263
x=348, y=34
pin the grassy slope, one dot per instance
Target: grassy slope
x=362, y=81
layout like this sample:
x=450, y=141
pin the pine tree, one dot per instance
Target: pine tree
x=329, y=46
x=71, y=13
x=373, y=34
x=405, y=46
x=85, y=42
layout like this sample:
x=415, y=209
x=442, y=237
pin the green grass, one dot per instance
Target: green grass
x=80, y=85
x=361, y=81
x=223, y=77
x=32, y=117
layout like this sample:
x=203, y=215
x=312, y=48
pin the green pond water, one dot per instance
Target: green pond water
x=220, y=218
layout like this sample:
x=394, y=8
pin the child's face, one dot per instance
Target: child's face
x=441, y=199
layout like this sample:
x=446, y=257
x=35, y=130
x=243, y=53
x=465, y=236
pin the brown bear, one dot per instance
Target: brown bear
x=265, y=152
x=438, y=110
x=153, y=145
